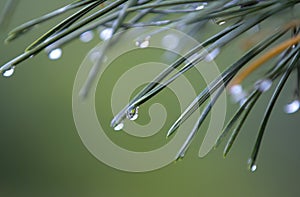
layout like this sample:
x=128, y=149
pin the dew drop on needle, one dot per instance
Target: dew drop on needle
x=106, y=33
x=87, y=36
x=263, y=85
x=237, y=93
x=9, y=72
x=132, y=114
x=144, y=43
x=292, y=107
x=55, y=54
x=119, y=126
x=253, y=168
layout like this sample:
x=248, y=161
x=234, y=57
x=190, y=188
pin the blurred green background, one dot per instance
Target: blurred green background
x=42, y=154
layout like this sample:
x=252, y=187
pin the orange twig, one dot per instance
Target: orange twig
x=258, y=62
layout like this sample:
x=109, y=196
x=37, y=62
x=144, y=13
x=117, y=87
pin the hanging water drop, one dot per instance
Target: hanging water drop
x=144, y=43
x=106, y=33
x=119, y=126
x=55, y=54
x=238, y=94
x=132, y=114
x=292, y=107
x=9, y=72
x=134, y=117
x=253, y=168
x=221, y=22
x=201, y=6
x=87, y=36
x=236, y=89
x=263, y=85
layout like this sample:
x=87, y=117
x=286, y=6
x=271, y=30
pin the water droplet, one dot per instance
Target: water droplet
x=55, y=54
x=135, y=116
x=87, y=36
x=212, y=55
x=132, y=114
x=9, y=72
x=106, y=33
x=253, y=168
x=162, y=22
x=236, y=89
x=144, y=43
x=263, y=85
x=292, y=107
x=119, y=126
x=170, y=41
x=238, y=94
x=201, y=6
x=221, y=22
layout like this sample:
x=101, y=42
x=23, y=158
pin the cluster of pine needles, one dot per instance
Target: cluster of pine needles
x=282, y=46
